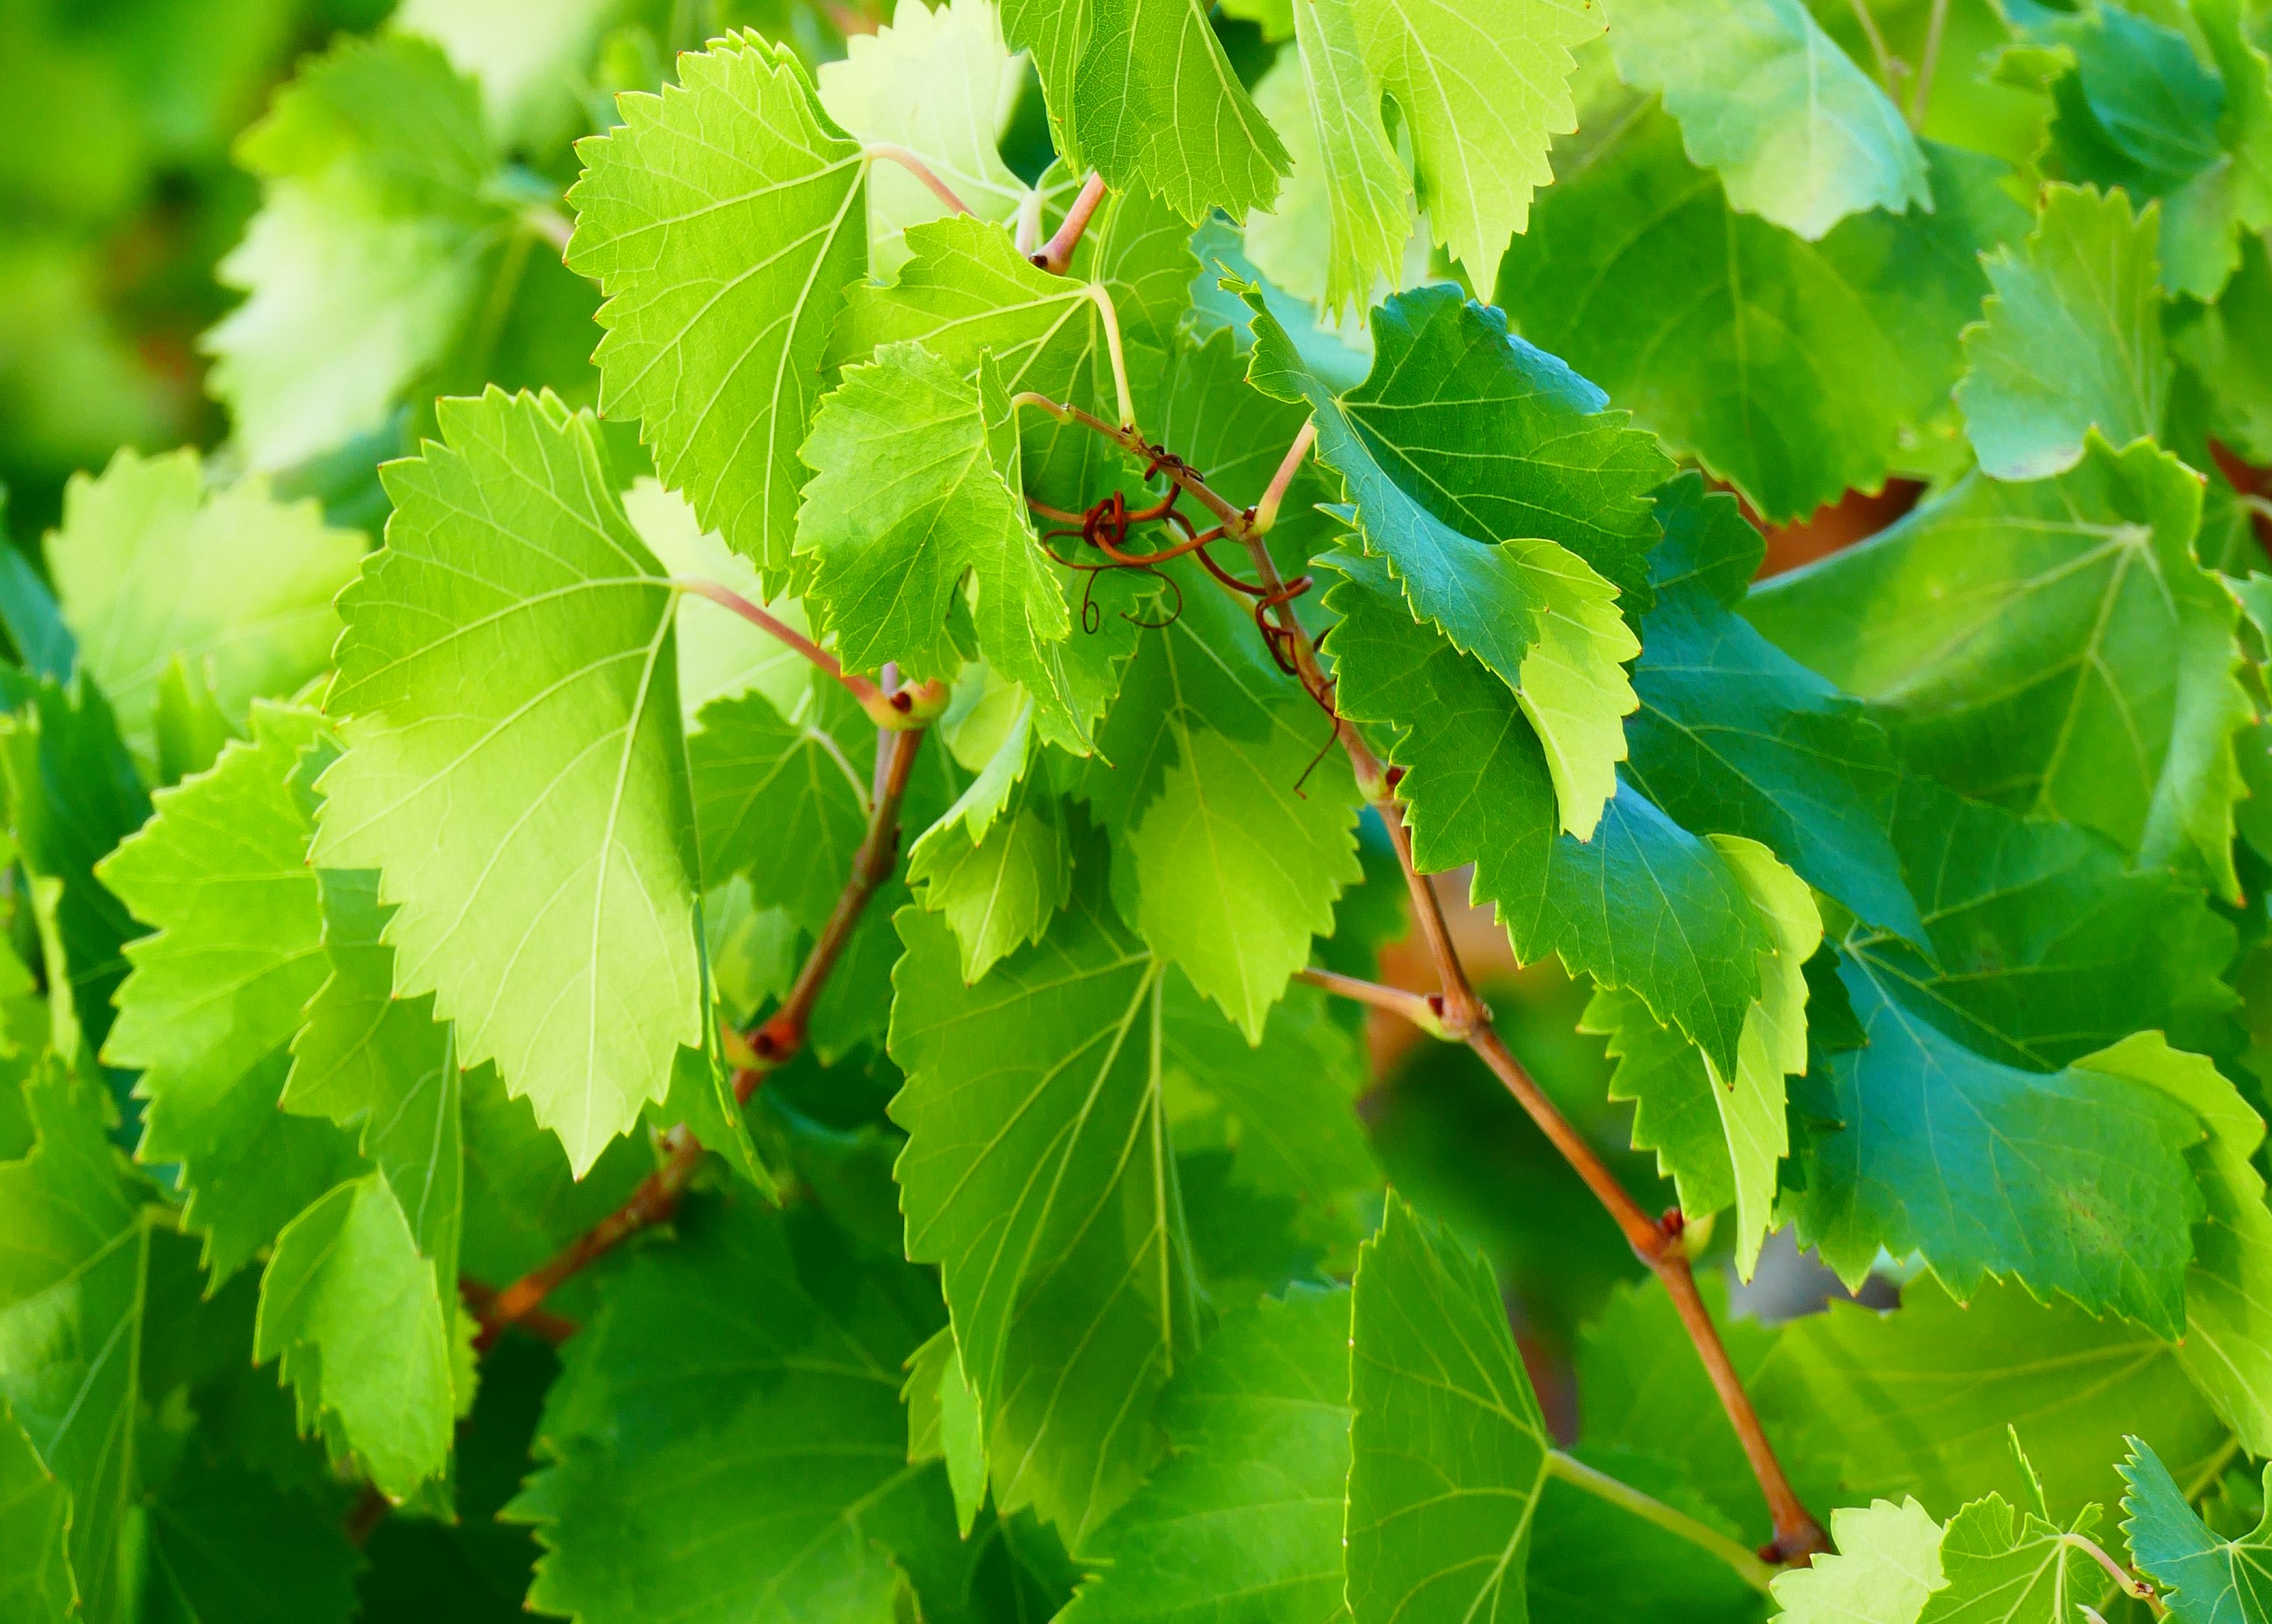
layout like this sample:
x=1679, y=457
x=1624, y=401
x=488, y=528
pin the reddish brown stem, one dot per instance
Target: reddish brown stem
x=774, y=1043
x=1057, y=253
x=481, y=1298
x=921, y=171
x=1797, y=1536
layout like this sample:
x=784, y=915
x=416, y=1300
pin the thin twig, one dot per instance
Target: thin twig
x=1266, y=511
x=1057, y=254
x=2130, y=1583
x=914, y=166
x=1929, y=59
x=1797, y=1536
x=1121, y=396
x=901, y=708
x=1576, y=1472
x=774, y=1045
x=1029, y=223
x=480, y=1299
x=1888, y=70
x=1422, y=1009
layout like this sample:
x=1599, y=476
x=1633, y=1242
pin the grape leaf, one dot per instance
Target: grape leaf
x=1487, y=556
x=1589, y=1553
x=1735, y=737
x=368, y=255
x=2073, y=1180
x=385, y=1066
x=356, y=1314
x=943, y=1424
x=1449, y=1449
x=2001, y=1567
x=2052, y=646
x=74, y=1252
x=724, y=1406
x=515, y=768
x=941, y=84
x=1244, y=1519
x=1643, y=904
x=1141, y=91
x=35, y=1512
x=209, y=1014
x=1368, y=191
x=722, y=221
x=226, y=1542
x=999, y=865
x=2203, y=1579
x=72, y=795
x=525, y=55
x=784, y=799
x=2226, y=345
x=720, y=656
x=2070, y=340
x=916, y=484
x=1793, y=371
x=1922, y=1401
x=1234, y=859
x=1887, y=1563
x=1033, y=1107
x=150, y=567
x=1797, y=134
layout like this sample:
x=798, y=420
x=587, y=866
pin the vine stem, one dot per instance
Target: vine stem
x=1057, y=253
x=1649, y=1508
x=893, y=152
x=899, y=708
x=1928, y=60
x=1888, y=70
x=1462, y=1015
x=772, y=1045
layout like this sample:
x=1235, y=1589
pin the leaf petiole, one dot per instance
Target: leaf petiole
x=1578, y=1475
x=893, y=151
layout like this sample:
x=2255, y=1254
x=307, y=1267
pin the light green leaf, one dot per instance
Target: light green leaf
x=151, y=566
x=1479, y=136
x=916, y=485
x=1799, y=135
x=1887, y=1563
x=1141, y=91
x=369, y=253
x=944, y=1423
x=356, y=1314
x=783, y=799
x=34, y=1511
x=1466, y=506
x=2203, y=1579
x=1643, y=904
x=723, y=221
x=720, y=656
x=1794, y=371
x=941, y=84
x=2004, y=1569
x=527, y=55
x=719, y=1406
x=1034, y=1109
x=514, y=767
x=1368, y=191
x=2052, y=646
x=74, y=1252
x=999, y=864
x=2070, y=340
x=1449, y=1449
x=1243, y=1522
x=209, y=1014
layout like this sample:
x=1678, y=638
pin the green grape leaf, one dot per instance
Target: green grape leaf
x=525, y=58
x=1797, y=134
x=522, y=1203
x=721, y=1403
x=210, y=1011
x=1141, y=92
x=1479, y=136
x=1589, y=1553
x=1448, y=1450
x=35, y=1515
x=2071, y=340
x=2074, y=1181
x=226, y=1542
x=2203, y=1579
x=515, y=768
x=74, y=1255
x=723, y=221
x=2000, y=1567
x=1792, y=369
x=357, y=1316
x=943, y=1424
x=916, y=485
x=1368, y=191
x=720, y=656
x=1034, y=1105
x=784, y=799
x=72, y=795
x=941, y=84
x=1731, y=1154
x=1887, y=1563
x=2052, y=646
x=385, y=1067
x=1234, y=858
x=1644, y=905
x=1923, y=1401
x=1735, y=737
x=370, y=251
x=1244, y=1517
x=2227, y=347
x=999, y=865
x=151, y=568
x=1489, y=558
